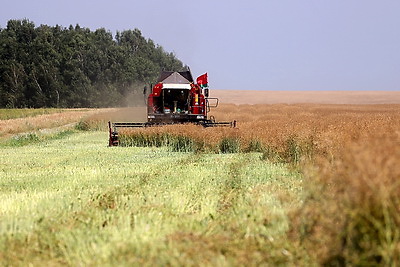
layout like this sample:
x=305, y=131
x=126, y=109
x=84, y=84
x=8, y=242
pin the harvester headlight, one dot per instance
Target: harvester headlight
x=200, y=117
x=151, y=117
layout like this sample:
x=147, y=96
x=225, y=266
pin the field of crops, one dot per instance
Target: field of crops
x=293, y=184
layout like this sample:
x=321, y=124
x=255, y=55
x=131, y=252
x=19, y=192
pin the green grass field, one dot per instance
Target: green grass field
x=75, y=201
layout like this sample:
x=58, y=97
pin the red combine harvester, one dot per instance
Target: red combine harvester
x=175, y=99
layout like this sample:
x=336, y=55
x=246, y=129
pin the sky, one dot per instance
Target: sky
x=253, y=44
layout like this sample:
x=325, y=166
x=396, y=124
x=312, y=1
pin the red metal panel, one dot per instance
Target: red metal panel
x=157, y=89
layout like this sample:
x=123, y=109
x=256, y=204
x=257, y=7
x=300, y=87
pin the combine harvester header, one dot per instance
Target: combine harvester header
x=175, y=98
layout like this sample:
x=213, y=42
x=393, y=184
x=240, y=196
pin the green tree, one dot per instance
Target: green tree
x=75, y=67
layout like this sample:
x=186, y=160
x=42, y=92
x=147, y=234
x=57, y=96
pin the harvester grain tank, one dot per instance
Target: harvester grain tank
x=175, y=98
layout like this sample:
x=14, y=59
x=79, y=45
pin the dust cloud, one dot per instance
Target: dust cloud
x=130, y=114
x=136, y=97
x=134, y=105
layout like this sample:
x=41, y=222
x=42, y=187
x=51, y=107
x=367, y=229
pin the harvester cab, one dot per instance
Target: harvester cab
x=175, y=98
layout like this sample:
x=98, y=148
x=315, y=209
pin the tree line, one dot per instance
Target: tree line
x=55, y=66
